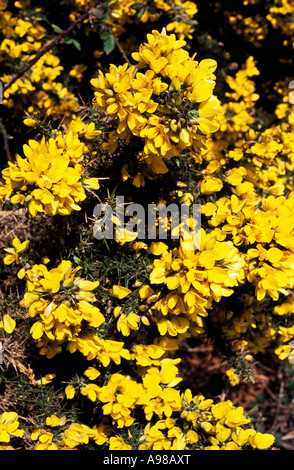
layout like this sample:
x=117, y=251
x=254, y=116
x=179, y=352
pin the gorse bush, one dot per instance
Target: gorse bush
x=161, y=102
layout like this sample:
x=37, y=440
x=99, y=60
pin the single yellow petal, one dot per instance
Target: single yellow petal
x=37, y=330
x=46, y=379
x=8, y=323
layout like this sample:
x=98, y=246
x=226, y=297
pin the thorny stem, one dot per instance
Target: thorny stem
x=47, y=47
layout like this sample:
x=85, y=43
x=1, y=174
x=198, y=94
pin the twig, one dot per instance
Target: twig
x=124, y=55
x=225, y=391
x=279, y=400
x=47, y=47
x=6, y=138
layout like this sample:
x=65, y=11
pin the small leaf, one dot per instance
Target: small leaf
x=76, y=44
x=57, y=29
x=108, y=42
x=141, y=12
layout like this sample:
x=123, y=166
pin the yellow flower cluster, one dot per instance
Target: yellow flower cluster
x=269, y=269
x=236, y=116
x=63, y=304
x=256, y=24
x=221, y=423
x=71, y=437
x=123, y=12
x=62, y=301
x=181, y=418
x=194, y=280
x=38, y=90
x=50, y=177
x=171, y=106
x=281, y=16
x=253, y=29
x=28, y=32
x=236, y=121
x=265, y=234
x=155, y=395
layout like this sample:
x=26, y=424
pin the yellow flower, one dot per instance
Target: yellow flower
x=47, y=379
x=117, y=443
x=18, y=248
x=76, y=435
x=53, y=421
x=227, y=414
x=9, y=427
x=90, y=391
x=211, y=185
x=222, y=433
x=261, y=441
x=191, y=437
x=91, y=183
x=129, y=322
x=148, y=355
x=78, y=71
x=119, y=291
x=30, y=122
x=37, y=330
x=69, y=392
x=92, y=373
x=45, y=442
x=235, y=418
x=233, y=377
x=242, y=436
x=157, y=248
